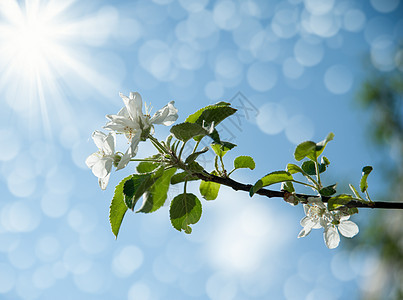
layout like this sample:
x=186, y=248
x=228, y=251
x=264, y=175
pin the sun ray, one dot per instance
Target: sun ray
x=40, y=47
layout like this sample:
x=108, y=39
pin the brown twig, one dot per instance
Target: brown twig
x=238, y=186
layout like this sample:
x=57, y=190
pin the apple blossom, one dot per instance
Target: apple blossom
x=101, y=161
x=136, y=126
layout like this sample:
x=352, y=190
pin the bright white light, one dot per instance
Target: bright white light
x=39, y=56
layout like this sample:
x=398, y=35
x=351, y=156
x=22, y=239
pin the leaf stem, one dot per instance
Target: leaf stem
x=317, y=173
x=145, y=159
x=197, y=144
x=181, y=150
x=307, y=184
x=157, y=144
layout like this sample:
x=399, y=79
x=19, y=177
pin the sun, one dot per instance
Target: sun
x=42, y=55
x=33, y=51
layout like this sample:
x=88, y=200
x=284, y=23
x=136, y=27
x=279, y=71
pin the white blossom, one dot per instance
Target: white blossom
x=131, y=121
x=333, y=222
x=340, y=223
x=101, y=162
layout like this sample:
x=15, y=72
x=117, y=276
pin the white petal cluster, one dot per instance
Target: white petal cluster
x=135, y=125
x=101, y=161
x=333, y=222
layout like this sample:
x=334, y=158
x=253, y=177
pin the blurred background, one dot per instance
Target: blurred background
x=295, y=70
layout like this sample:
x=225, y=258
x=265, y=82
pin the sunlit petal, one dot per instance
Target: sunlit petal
x=348, y=228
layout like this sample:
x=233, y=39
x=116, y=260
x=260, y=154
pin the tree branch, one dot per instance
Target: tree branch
x=238, y=186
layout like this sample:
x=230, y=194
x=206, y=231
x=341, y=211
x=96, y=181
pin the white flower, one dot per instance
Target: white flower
x=317, y=216
x=315, y=211
x=345, y=227
x=131, y=121
x=101, y=161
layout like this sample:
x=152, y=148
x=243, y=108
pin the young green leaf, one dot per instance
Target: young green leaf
x=181, y=177
x=156, y=195
x=309, y=167
x=321, y=146
x=352, y=211
x=244, y=162
x=118, y=208
x=186, y=131
x=325, y=161
x=355, y=192
x=363, y=183
x=328, y=191
x=185, y=210
x=147, y=166
x=209, y=190
x=222, y=148
x=137, y=185
x=212, y=113
x=193, y=156
x=287, y=186
x=195, y=167
x=339, y=200
x=304, y=149
x=293, y=168
x=311, y=149
x=271, y=178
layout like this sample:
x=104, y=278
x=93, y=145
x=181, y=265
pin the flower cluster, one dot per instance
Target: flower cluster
x=333, y=222
x=135, y=125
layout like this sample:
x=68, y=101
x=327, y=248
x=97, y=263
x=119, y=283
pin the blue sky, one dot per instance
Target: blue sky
x=293, y=69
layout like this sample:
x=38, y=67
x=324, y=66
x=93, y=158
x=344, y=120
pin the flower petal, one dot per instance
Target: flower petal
x=103, y=167
x=133, y=104
x=166, y=115
x=92, y=159
x=304, y=232
x=109, y=144
x=331, y=237
x=348, y=228
x=99, y=138
x=103, y=182
x=124, y=160
x=134, y=143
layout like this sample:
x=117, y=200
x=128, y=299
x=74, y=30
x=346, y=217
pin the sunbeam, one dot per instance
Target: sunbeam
x=40, y=44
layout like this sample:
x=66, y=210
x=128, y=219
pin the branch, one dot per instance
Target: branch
x=238, y=186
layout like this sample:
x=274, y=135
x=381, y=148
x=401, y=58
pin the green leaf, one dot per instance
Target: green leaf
x=195, y=167
x=311, y=149
x=328, y=191
x=181, y=177
x=293, y=168
x=352, y=211
x=244, y=162
x=304, y=149
x=363, y=183
x=185, y=210
x=321, y=146
x=355, y=192
x=222, y=148
x=193, y=156
x=118, y=208
x=309, y=167
x=156, y=195
x=209, y=190
x=186, y=131
x=339, y=200
x=212, y=113
x=271, y=178
x=147, y=167
x=137, y=185
x=325, y=161
x=288, y=186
